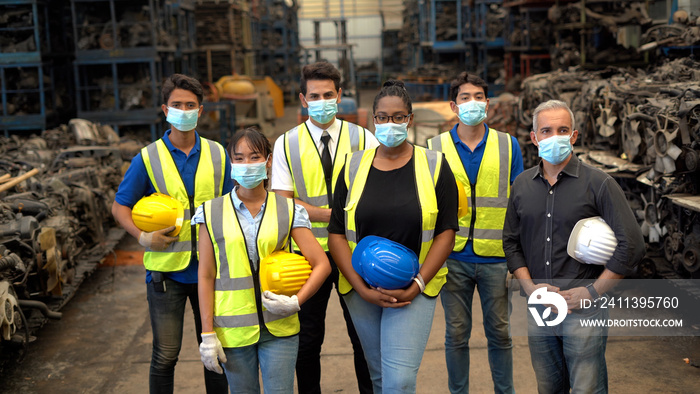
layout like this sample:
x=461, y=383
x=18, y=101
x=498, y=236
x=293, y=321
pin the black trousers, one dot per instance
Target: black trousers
x=312, y=318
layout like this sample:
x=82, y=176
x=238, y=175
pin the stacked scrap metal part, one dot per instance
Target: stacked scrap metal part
x=642, y=126
x=56, y=193
x=612, y=22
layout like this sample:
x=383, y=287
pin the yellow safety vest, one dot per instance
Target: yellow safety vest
x=166, y=179
x=238, y=309
x=427, y=169
x=304, y=161
x=488, y=198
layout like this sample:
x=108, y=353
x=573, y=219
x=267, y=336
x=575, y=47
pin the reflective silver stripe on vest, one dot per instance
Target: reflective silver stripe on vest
x=217, y=227
x=233, y=284
x=488, y=234
x=216, y=160
x=295, y=161
x=247, y=320
x=503, y=178
x=284, y=221
x=354, y=135
x=355, y=160
x=350, y=235
x=436, y=143
x=175, y=247
x=427, y=235
x=463, y=231
x=320, y=232
x=432, y=163
x=493, y=202
x=354, y=167
x=299, y=184
x=157, y=167
x=270, y=317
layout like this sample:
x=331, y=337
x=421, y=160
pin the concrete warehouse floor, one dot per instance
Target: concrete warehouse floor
x=103, y=345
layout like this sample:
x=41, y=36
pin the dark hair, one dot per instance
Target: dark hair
x=463, y=78
x=396, y=88
x=319, y=71
x=181, y=81
x=256, y=141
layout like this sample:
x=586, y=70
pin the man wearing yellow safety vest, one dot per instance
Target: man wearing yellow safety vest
x=485, y=161
x=193, y=170
x=306, y=164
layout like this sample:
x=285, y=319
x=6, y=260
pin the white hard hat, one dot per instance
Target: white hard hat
x=592, y=241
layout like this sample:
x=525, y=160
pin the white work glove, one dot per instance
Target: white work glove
x=280, y=304
x=211, y=352
x=157, y=240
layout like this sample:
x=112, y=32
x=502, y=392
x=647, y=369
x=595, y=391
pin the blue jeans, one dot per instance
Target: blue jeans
x=312, y=318
x=167, y=311
x=568, y=356
x=456, y=296
x=276, y=357
x=393, y=340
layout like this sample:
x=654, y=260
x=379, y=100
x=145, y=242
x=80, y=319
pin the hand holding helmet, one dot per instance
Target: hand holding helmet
x=385, y=264
x=280, y=304
x=157, y=240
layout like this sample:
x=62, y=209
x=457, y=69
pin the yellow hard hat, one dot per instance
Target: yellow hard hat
x=284, y=273
x=158, y=211
x=462, y=198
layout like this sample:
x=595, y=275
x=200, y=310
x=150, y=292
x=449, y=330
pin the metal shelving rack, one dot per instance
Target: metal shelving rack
x=182, y=15
x=487, y=46
x=225, y=39
x=123, y=49
x=450, y=41
x=275, y=32
x=28, y=64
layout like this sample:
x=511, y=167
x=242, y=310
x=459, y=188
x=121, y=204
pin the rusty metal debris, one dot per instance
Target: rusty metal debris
x=55, y=223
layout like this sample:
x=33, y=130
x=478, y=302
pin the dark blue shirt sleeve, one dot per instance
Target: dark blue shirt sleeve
x=516, y=166
x=135, y=184
x=228, y=182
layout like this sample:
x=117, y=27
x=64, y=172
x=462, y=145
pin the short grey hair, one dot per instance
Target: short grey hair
x=546, y=106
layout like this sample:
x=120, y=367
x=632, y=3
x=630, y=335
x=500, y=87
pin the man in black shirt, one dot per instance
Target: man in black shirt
x=546, y=202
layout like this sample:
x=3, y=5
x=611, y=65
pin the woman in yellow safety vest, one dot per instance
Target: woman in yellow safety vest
x=407, y=194
x=244, y=327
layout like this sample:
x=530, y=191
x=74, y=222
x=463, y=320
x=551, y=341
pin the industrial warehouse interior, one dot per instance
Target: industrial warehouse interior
x=83, y=103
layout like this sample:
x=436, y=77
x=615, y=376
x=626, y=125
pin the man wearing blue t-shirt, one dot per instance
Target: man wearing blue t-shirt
x=485, y=161
x=193, y=170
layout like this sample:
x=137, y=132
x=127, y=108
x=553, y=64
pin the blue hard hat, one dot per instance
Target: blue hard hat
x=384, y=263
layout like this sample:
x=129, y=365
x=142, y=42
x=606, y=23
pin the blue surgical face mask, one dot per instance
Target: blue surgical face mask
x=472, y=112
x=323, y=111
x=555, y=149
x=182, y=120
x=391, y=134
x=249, y=175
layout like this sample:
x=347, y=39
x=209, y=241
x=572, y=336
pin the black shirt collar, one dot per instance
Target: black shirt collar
x=571, y=169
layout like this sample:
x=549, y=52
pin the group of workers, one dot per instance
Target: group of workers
x=333, y=183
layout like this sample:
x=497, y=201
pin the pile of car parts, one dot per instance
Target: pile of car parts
x=642, y=127
x=56, y=192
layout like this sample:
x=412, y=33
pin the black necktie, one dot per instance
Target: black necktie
x=326, y=163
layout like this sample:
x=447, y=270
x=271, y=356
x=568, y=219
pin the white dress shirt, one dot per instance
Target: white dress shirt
x=282, y=178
